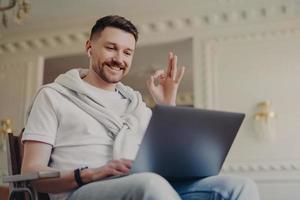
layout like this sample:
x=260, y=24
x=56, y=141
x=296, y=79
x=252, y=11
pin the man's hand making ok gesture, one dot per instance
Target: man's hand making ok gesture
x=163, y=84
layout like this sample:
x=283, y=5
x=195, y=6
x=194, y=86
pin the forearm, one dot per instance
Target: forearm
x=36, y=158
x=63, y=183
x=66, y=181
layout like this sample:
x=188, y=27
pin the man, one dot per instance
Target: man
x=74, y=125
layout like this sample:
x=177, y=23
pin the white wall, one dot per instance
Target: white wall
x=242, y=54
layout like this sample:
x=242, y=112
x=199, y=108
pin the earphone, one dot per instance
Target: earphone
x=89, y=52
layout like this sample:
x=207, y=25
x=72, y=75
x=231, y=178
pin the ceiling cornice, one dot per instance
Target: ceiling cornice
x=278, y=11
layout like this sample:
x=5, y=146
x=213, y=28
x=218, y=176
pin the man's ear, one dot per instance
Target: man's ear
x=88, y=47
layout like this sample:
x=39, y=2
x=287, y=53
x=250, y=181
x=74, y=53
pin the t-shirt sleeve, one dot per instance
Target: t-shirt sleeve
x=42, y=122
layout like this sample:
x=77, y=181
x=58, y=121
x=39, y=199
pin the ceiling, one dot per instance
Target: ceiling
x=47, y=14
x=57, y=14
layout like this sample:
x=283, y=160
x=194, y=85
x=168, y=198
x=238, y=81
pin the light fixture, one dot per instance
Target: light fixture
x=265, y=121
x=5, y=128
x=22, y=6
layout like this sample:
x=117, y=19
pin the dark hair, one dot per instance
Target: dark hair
x=114, y=21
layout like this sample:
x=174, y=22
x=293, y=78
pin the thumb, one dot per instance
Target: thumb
x=150, y=83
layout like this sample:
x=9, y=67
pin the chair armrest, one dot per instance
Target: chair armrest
x=30, y=176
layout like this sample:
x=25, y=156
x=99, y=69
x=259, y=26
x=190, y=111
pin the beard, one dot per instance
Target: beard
x=103, y=70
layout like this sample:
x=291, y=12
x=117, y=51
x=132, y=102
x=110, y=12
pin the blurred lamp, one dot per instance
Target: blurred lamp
x=265, y=121
x=22, y=10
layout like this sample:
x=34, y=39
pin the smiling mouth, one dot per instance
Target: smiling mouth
x=115, y=68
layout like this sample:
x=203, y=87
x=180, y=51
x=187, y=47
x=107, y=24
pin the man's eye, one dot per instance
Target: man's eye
x=128, y=53
x=111, y=48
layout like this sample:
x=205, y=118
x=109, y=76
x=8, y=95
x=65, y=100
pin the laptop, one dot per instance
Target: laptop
x=185, y=142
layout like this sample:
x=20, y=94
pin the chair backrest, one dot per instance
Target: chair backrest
x=14, y=154
x=14, y=158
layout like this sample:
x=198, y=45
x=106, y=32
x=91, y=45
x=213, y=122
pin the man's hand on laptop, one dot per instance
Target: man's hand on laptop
x=163, y=84
x=112, y=168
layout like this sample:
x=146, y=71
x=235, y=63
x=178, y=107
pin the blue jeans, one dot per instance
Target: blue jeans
x=217, y=188
x=150, y=186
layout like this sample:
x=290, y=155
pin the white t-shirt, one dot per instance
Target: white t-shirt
x=77, y=138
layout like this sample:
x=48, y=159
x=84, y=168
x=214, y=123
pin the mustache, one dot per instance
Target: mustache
x=114, y=63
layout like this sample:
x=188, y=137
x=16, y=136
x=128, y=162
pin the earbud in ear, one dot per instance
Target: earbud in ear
x=89, y=52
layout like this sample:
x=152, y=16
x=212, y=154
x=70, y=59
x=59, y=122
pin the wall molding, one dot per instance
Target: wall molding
x=288, y=166
x=262, y=35
x=210, y=46
x=47, y=41
x=230, y=14
x=264, y=172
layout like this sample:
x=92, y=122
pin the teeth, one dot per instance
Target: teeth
x=116, y=68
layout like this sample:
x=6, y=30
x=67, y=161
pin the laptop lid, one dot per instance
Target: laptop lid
x=185, y=142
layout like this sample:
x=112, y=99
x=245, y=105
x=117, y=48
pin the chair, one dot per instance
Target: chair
x=19, y=184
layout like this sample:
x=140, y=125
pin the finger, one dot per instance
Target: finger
x=169, y=67
x=122, y=167
x=119, y=165
x=180, y=74
x=157, y=76
x=109, y=171
x=174, y=68
x=150, y=82
x=127, y=162
x=115, y=172
x=158, y=73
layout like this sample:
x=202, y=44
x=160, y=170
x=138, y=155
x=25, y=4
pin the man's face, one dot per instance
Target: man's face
x=112, y=53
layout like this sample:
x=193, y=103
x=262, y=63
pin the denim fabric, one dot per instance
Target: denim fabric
x=142, y=186
x=217, y=188
x=150, y=186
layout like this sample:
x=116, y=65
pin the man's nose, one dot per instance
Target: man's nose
x=118, y=58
